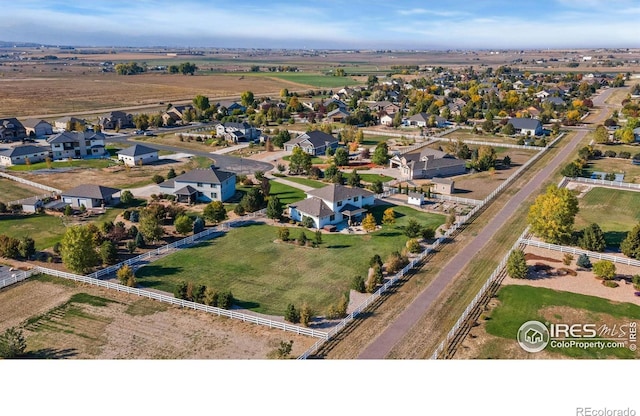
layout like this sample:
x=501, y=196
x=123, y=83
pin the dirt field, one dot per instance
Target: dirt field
x=128, y=327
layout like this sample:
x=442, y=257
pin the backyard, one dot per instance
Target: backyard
x=625, y=205
x=272, y=274
x=13, y=191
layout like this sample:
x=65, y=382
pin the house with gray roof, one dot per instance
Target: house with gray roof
x=202, y=185
x=77, y=144
x=428, y=163
x=37, y=127
x=116, y=120
x=137, y=155
x=68, y=123
x=422, y=120
x=91, y=196
x=11, y=129
x=526, y=126
x=20, y=155
x=313, y=142
x=556, y=101
x=237, y=132
x=332, y=204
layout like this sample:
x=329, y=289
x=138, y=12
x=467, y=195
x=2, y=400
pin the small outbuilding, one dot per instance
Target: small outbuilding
x=415, y=198
x=138, y=154
x=443, y=186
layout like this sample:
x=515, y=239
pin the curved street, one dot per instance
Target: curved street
x=381, y=346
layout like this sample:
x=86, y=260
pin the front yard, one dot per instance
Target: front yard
x=265, y=275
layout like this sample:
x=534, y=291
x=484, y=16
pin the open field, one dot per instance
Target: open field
x=12, y=190
x=76, y=163
x=307, y=79
x=496, y=335
x=62, y=319
x=46, y=230
x=624, y=205
x=274, y=274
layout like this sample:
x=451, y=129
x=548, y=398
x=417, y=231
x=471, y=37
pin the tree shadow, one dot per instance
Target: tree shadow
x=388, y=234
x=51, y=353
x=245, y=304
x=614, y=238
x=339, y=246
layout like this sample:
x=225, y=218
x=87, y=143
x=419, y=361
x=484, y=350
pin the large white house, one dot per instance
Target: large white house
x=332, y=205
x=20, y=155
x=313, y=142
x=202, y=185
x=77, y=144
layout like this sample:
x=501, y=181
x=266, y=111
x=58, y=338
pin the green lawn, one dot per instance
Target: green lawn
x=46, y=230
x=266, y=276
x=519, y=304
x=285, y=193
x=81, y=163
x=12, y=191
x=306, y=181
x=371, y=177
x=306, y=78
x=371, y=140
x=596, y=205
x=314, y=160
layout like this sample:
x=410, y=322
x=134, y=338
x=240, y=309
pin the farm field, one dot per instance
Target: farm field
x=623, y=205
x=272, y=274
x=495, y=337
x=62, y=319
x=12, y=190
x=307, y=79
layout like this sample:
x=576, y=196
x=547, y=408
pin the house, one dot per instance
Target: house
x=175, y=114
x=443, y=186
x=77, y=144
x=338, y=115
x=20, y=155
x=424, y=120
x=526, y=126
x=636, y=134
x=11, y=130
x=337, y=103
x=415, y=198
x=116, y=120
x=68, y=123
x=386, y=119
x=35, y=127
x=230, y=107
x=428, y=163
x=332, y=205
x=556, y=101
x=202, y=185
x=138, y=154
x=237, y=132
x=91, y=196
x=387, y=106
x=313, y=142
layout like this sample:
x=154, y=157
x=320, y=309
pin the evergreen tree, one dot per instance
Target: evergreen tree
x=630, y=246
x=292, y=315
x=583, y=261
x=517, y=265
x=592, y=239
x=274, y=208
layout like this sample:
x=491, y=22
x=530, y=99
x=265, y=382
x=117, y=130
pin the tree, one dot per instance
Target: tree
x=187, y=68
x=306, y=314
x=341, y=157
x=27, y=247
x=126, y=197
x=150, y=226
x=377, y=187
x=592, y=238
x=253, y=200
x=506, y=162
x=280, y=138
x=77, y=250
x=180, y=290
x=389, y=216
x=601, y=135
x=552, y=215
x=125, y=275
x=292, y=315
x=604, y=269
x=583, y=261
x=630, y=246
x=214, y=212
x=157, y=178
x=369, y=223
x=413, y=245
x=108, y=252
x=246, y=98
x=198, y=225
x=299, y=162
x=12, y=343
x=412, y=229
x=317, y=238
x=508, y=130
x=283, y=233
x=139, y=240
x=201, y=102
x=274, y=208
x=357, y=284
x=354, y=179
x=171, y=174
x=517, y=265
x=183, y=224
x=381, y=154
x=141, y=121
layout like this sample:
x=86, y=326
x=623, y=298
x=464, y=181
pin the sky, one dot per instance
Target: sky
x=344, y=24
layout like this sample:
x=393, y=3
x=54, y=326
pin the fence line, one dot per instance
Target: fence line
x=615, y=184
x=30, y=183
x=456, y=199
x=577, y=251
x=16, y=277
x=183, y=303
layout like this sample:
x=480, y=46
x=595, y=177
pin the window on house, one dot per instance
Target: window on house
x=87, y=143
x=339, y=203
x=214, y=195
x=356, y=198
x=199, y=185
x=332, y=218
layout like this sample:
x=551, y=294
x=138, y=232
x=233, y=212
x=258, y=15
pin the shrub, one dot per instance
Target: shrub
x=610, y=153
x=636, y=281
x=306, y=314
x=12, y=343
x=225, y=300
x=126, y=215
x=308, y=222
x=624, y=155
x=583, y=261
x=292, y=315
x=610, y=283
x=604, y=269
x=357, y=284
x=517, y=265
x=157, y=178
x=198, y=225
x=375, y=260
x=413, y=245
x=283, y=233
x=302, y=239
x=396, y=262
x=567, y=259
x=239, y=210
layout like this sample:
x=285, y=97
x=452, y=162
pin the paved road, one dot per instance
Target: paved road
x=230, y=163
x=384, y=343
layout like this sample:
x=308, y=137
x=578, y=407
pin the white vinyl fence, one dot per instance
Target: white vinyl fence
x=578, y=251
x=602, y=182
x=30, y=183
